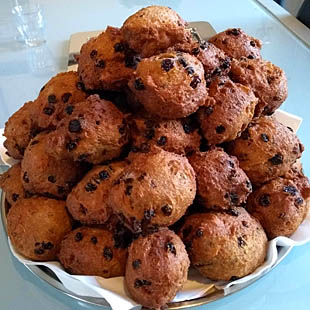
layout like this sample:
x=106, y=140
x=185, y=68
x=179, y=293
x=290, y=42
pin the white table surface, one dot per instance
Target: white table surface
x=286, y=45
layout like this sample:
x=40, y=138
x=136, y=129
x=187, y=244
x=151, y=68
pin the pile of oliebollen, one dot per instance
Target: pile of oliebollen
x=160, y=152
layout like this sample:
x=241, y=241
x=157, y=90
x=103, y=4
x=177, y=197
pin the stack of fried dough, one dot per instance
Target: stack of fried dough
x=161, y=152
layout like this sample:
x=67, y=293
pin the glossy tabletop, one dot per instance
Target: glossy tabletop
x=23, y=71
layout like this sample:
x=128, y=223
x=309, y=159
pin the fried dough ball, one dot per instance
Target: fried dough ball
x=296, y=175
x=266, y=149
x=267, y=81
x=87, y=202
x=279, y=207
x=105, y=62
x=176, y=136
x=236, y=43
x=167, y=89
x=213, y=59
x=227, y=111
x=221, y=184
x=11, y=184
x=154, y=190
x=153, y=29
x=94, y=132
x=57, y=99
x=20, y=128
x=224, y=246
x=36, y=227
x=43, y=174
x=91, y=251
x=156, y=268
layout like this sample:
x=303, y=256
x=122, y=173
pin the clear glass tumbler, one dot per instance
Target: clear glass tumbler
x=30, y=23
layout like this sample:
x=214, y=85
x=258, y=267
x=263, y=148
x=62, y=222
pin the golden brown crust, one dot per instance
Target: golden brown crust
x=221, y=184
x=279, y=207
x=11, y=184
x=104, y=61
x=174, y=136
x=154, y=190
x=156, y=268
x=19, y=129
x=213, y=59
x=224, y=246
x=228, y=110
x=267, y=81
x=87, y=201
x=91, y=251
x=44, y=174
x=236, y=43
x=153, y=29
x=95, y=132
x=266, y=149
x=57, y=99
x=167, y=89
x=296, y=174
x=36, y=227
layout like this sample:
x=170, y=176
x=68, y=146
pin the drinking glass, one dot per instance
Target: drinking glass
x=30, y=23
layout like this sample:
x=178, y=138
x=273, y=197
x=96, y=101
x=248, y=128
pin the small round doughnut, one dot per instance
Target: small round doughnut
x=236, y=43
x=91, y=251
x=224, y=246
x=36, y=227
x=169, y=85
x=153, y=29
x=95, y=132
x=228, y=110
x=20, y=128
x=267, y=81
x=175, y=136
x=296, y=174
x=106, y=62
x=154, y=190
x=215, y=62
x=44, y=174
x=11, y=184
x=221, y=183
x=266, y=149
x=156, y=268
x=57, y=99
x=279, y=206
x=87, y=201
